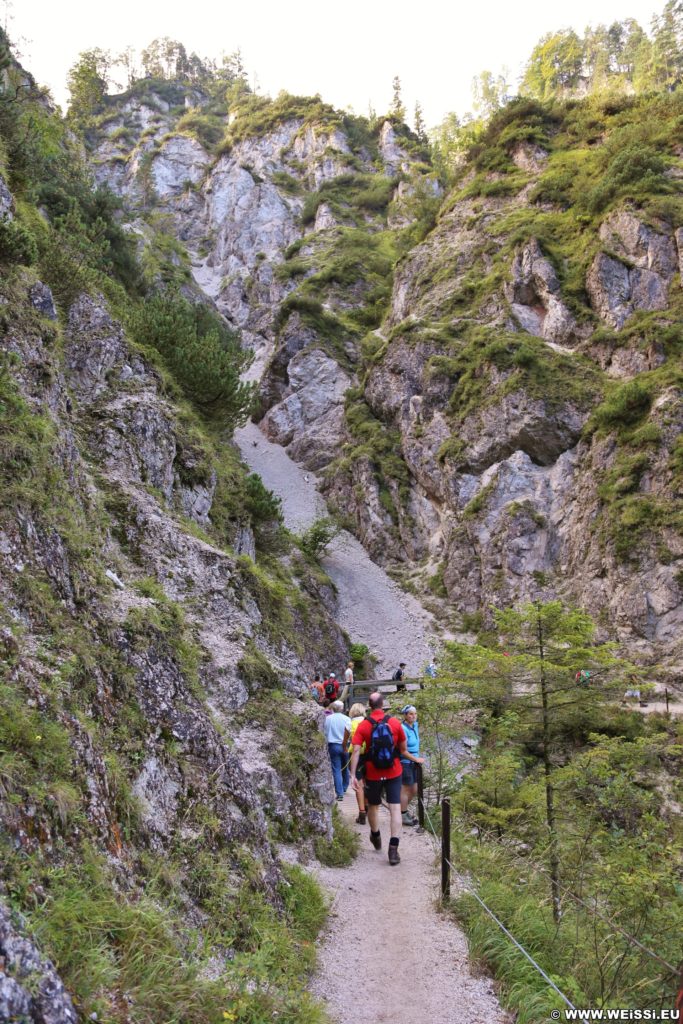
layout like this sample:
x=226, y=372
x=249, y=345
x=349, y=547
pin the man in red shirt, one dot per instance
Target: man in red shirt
x=377, y=779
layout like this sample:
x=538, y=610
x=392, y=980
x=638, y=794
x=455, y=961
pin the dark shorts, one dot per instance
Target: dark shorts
x=409, y=773
x=391, y=787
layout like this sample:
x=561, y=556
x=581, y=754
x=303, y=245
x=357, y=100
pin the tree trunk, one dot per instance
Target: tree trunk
x=553, y=858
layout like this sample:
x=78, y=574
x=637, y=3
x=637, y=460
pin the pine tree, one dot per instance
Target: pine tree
x=397, y=110
x=545, y=669
x=88, y=82
x=419, y=124
x=667, y=45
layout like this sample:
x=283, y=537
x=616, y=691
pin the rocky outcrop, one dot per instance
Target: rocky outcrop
x=181, y=163
x=640, y=275
x=393, y=154
x=535, y=298
x=487, y=488
x=6, y=201
x=309, y=420
x=31, y=991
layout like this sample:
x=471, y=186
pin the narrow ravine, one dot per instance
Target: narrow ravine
x=387, y=949
x=372, y=608
x=388, y=954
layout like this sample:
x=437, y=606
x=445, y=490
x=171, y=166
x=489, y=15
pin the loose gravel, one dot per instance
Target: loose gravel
x=389, y=955
x=372, y=608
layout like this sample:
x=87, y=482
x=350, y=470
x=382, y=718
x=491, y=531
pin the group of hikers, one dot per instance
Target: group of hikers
x=376, y=754
x=325, y=690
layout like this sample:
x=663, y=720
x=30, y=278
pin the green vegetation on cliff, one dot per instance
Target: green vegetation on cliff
x=189, y=919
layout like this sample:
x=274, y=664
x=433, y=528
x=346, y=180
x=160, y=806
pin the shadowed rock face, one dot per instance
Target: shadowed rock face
x=132, y=475
x=30, y=988
x=511, y=487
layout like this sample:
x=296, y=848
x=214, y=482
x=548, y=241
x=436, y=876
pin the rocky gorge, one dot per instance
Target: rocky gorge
x=483, y=375
x=454, y=416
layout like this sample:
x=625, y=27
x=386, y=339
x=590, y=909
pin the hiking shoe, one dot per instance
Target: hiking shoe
x=362, y=818
x=340, y=798
x=376, y=841
x=394, y=855
x=408, y=819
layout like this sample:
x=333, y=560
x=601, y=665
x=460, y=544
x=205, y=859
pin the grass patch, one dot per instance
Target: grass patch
x=342, y=849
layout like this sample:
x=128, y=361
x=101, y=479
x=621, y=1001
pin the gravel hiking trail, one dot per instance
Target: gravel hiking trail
x=388, y=955
x=371, y=607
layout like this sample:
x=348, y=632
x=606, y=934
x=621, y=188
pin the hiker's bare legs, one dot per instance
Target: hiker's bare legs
x=407, y=794
x=373, y=817
x=396, y=822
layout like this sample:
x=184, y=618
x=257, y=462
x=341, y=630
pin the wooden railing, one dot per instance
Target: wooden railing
x=359, y=690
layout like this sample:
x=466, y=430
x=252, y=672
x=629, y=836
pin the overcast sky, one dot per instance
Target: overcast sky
x=349, y=52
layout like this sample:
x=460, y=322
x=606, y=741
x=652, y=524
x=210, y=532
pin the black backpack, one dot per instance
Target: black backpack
x=381, y=750
x=398, y=675
x=330, y=689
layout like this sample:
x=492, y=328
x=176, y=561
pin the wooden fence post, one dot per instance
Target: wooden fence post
x=445, y=849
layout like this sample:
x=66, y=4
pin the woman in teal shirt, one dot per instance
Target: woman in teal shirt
x=409, y=762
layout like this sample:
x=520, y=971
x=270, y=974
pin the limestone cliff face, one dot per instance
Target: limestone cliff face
x=257, y=219
x=136, y=649
x=455, y=412
x=507, y=479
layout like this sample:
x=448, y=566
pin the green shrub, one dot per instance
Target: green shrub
x=206, y=128
x=17, y=244
x=637, y=169
x=359, y=654
x=317, y=538
x=203, y=355
x=256, y=670
x=263, y=506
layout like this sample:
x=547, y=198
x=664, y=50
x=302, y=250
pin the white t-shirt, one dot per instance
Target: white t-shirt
x=334, y=727
x=348, y=676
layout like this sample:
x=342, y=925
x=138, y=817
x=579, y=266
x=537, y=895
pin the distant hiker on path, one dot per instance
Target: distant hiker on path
x=357, y=714
x=317, y=689
x=398, y=676
x=331, y=687
x=348, y=675
x=409, y=762
x=385, y=743
x=337, y=729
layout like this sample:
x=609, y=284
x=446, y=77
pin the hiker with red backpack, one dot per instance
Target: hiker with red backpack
x=385, y=743
x=331, y=688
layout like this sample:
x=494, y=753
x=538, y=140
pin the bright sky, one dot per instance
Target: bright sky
x=349, y=52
